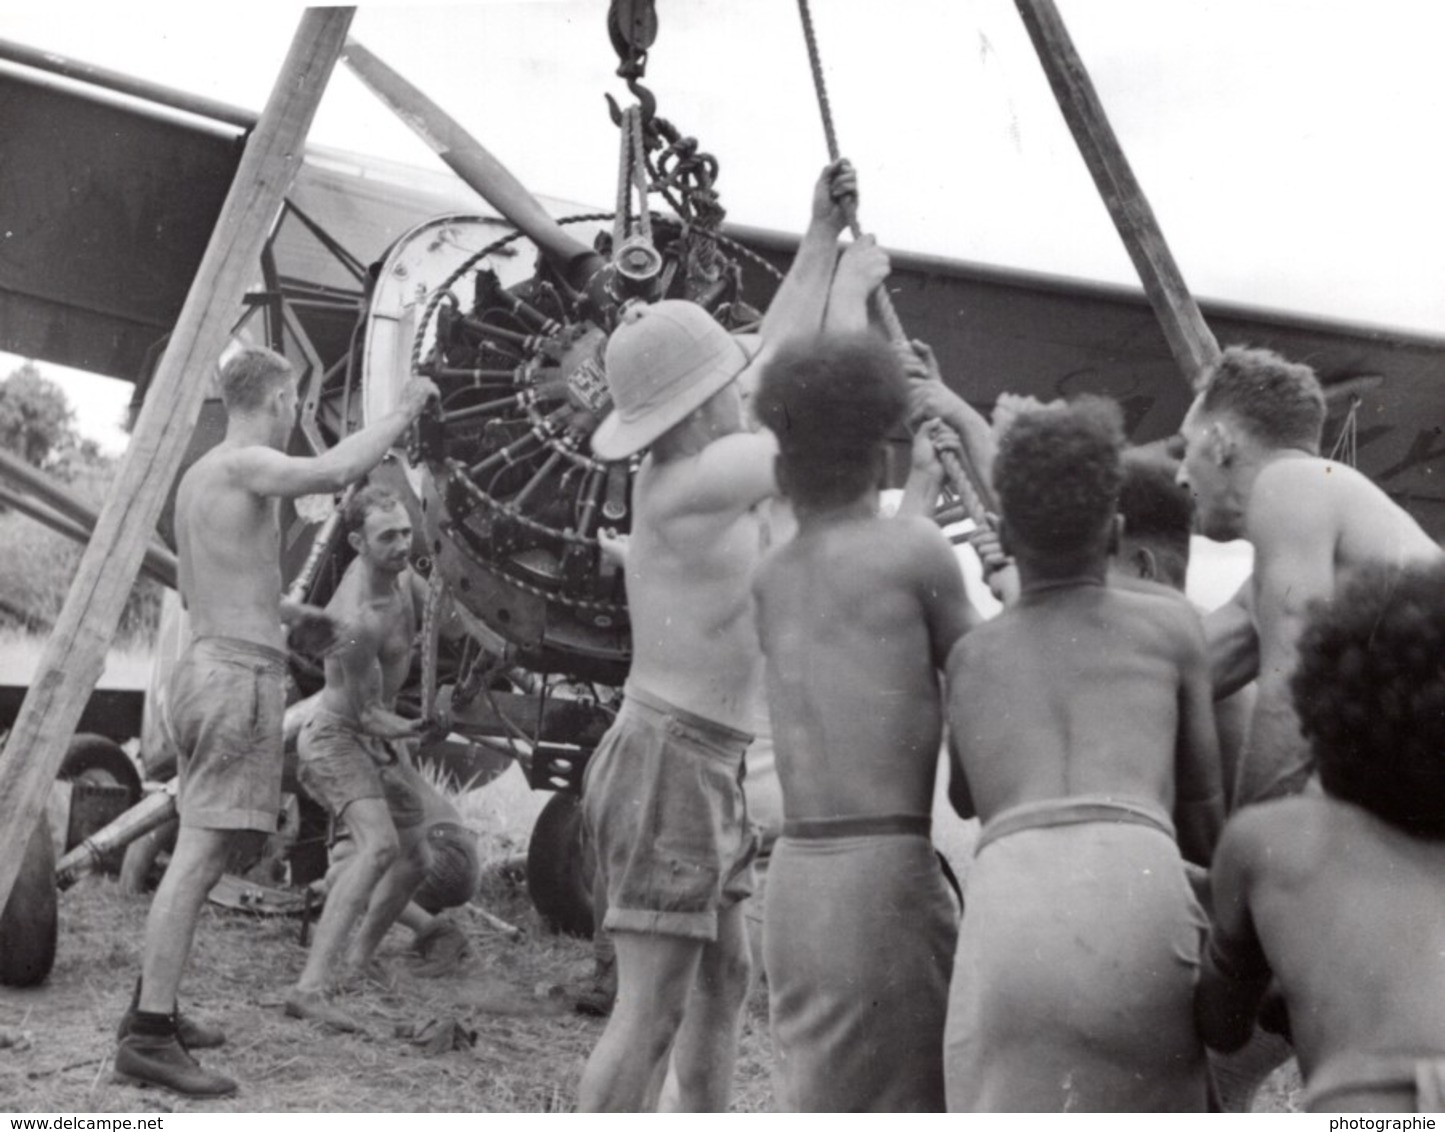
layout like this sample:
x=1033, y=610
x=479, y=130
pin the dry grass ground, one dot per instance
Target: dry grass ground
x=530, y=1047
x=529, y=1051
x=527, y=1055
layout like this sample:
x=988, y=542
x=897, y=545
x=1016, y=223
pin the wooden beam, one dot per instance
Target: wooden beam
x=1190, y=339
x=75, y=653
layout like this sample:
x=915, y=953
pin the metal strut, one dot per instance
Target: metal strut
x=963, y=478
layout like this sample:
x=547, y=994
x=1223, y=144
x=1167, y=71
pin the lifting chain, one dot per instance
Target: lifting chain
x=683, y=175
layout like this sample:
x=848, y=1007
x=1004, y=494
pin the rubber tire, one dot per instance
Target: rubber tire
x=559, y=868
x=101, y=760
x=28, y=926
x=94, y=758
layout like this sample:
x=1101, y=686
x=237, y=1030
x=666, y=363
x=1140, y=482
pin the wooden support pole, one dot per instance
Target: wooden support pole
x=75, y=653
x=1190, y=340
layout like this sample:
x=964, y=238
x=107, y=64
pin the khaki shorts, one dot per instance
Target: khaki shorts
x=404, y=790
x=337, y=763
x=226, y=701
x=662, y=802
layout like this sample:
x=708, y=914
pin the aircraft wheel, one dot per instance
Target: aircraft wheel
x=28, y=925
x=97, y=761
x=559, y=867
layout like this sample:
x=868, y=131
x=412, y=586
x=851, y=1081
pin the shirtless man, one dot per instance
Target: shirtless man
x=856, y=615
x=228, y=691
x=354, y=737
x=1340, y=896
x=1252, y=459
x=1154, y=549
x=661, y=796
x=1080, y=719
x=430, y=832
x=862, y=267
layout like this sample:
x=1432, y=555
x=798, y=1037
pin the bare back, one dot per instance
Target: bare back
x=228, y=540
x=1350, y=912
x=856, y=619
x=1079, y=690
x=688, y=574
x=1358, y=523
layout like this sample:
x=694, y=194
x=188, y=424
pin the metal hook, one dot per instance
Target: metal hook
x=645, y=99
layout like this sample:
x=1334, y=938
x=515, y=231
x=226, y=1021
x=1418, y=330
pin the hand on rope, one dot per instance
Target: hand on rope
x=930, y=397
x=835, y=195
x=999, y=572
x=926, y=473
x=861, y=270
x=963, y=483
x=863, y=264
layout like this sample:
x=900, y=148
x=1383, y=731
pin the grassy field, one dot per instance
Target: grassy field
x=127, y=667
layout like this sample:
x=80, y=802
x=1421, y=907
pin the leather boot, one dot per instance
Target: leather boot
x=144, y=1059
x=193, y=1034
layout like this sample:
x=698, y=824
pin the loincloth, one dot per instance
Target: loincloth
x=1374, y=1082
x=663, y=806
x=1073, y=985
x=858, y=942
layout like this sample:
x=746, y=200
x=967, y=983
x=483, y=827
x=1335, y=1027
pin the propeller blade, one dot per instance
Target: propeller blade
x=471, y=161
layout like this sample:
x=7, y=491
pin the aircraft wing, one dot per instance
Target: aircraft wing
x=996, y=330
x=108, y=202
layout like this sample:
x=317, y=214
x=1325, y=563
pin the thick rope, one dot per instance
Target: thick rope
x=639, y=176
x=962, y=477
x=631, y=178
x=622, y=214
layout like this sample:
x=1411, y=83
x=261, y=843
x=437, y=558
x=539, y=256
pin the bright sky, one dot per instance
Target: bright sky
x=1289, y=147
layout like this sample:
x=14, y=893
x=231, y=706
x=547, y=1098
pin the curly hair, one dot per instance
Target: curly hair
x=250, y=375
x=1156, y=509
x=1280, y=402
x=1370, y=694
x=831, y=400
x=1057, y=474
x=372, y=497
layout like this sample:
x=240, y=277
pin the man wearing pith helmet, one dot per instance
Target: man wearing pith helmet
x=661, y=796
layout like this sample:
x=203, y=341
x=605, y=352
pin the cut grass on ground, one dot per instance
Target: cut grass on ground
x=528, y=1056
x=529, y=1051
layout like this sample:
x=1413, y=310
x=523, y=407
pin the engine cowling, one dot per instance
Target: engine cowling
x=512, y=496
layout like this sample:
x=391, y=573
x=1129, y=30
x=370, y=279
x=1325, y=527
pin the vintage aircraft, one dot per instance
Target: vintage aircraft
x=111, y=189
